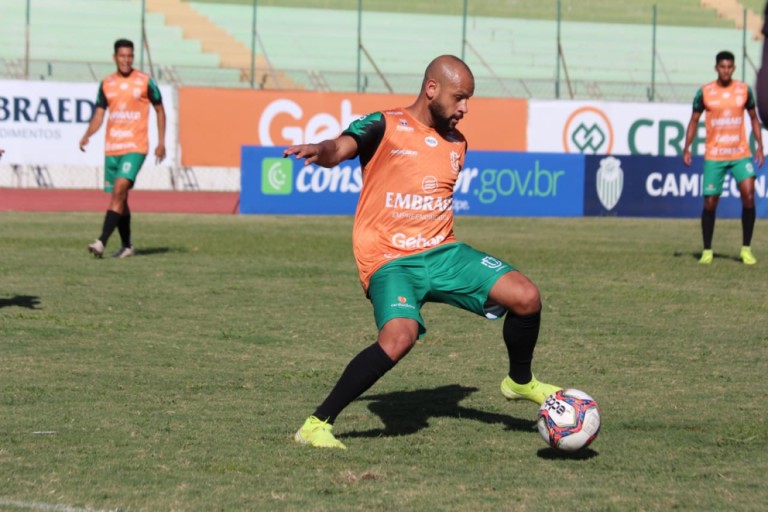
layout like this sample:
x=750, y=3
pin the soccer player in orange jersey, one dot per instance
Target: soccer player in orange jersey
x=404, y=244
x=727, y=150
x=127, y=93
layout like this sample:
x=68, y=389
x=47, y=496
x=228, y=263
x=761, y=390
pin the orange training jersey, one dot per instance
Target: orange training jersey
x=127, y=101
x=405, y=204
x=725, y=106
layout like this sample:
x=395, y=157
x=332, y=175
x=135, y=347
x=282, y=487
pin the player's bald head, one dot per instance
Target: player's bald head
x=447, y=69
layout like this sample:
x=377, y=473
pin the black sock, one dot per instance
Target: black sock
x=707, y=227
x=124, y=228
x=747, y=225
x=110, y=222
x=360, y=374
x=520, y=336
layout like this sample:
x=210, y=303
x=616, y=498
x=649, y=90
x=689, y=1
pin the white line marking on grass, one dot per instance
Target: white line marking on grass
x=47, y=506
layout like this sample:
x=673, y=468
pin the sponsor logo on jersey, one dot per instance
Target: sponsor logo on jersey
x=402, y=302
x=417, y=202
x=429, y=184
x=403, y=126
x=403, y=241
x=431, y=141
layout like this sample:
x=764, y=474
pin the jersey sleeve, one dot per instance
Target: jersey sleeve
x=750, y=99
x=368, y=132
x=153, y=91
x=101, y=98
x=698, y=101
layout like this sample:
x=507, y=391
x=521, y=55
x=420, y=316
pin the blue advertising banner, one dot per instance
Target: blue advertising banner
x=652, y=186
x=492, y=183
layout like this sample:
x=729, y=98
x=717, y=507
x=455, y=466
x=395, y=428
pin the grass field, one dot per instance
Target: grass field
x=172, y=381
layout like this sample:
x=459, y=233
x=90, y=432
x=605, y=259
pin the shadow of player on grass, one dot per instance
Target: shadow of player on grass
x=21, y=301
x=697, y=255
x=407, y=412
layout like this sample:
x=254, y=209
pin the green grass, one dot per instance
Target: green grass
x=173, y=380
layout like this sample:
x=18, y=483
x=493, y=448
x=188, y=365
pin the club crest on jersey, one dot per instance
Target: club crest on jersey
x=455, y=162
x=431, y=141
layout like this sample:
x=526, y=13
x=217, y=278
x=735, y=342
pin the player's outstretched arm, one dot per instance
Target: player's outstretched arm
x=327, y=153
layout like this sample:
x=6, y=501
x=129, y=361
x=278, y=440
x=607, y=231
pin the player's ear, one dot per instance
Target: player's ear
x=431, y=88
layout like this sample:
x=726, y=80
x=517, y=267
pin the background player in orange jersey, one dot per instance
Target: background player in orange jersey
x=127, y=93
x=727, y=150
x=404, y=245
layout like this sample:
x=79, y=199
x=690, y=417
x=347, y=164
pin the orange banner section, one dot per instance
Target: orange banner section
x=215, y=123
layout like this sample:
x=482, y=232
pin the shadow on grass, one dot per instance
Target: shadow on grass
x=552, y=454
x=151, y=251
x=697, y=255
x=407, y=412
x=21, y=301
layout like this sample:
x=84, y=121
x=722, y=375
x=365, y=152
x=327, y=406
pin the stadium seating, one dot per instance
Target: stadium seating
x=68, y=38
x=509, y=56
x=607, y=45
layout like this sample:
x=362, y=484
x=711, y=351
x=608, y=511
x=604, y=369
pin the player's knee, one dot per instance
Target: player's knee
x=529, y=300
x=397, y=343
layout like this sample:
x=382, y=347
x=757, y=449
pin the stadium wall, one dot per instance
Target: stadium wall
x=41, y=124
x=500, y=184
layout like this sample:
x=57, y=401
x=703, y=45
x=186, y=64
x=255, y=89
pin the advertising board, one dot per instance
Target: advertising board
x=492, y=183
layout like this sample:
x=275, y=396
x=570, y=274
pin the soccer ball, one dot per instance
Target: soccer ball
x=569, y=420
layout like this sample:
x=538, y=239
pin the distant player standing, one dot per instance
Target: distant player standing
x=127, y=93
x=727, y=150
x=405, y=248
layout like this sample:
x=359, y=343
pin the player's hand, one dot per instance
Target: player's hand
x=760, y=158
x=159, y=153
x=687, y=158
x=83, y=143
x=310, y=152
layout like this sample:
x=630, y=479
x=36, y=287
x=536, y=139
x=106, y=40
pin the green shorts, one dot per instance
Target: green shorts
x=454, y=274
x=715, y=171
x=122, y=166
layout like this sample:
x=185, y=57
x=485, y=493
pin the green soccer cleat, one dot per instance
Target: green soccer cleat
x=746, y=256
x=534, y=391
x=706, y=257
x=317, y=433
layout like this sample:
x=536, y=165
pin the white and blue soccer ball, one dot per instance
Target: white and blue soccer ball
x=569, y=420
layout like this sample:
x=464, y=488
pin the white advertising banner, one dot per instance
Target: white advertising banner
x=656, y=129
x=41, y=123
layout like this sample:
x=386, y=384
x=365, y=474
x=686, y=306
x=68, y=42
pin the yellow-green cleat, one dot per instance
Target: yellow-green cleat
x=317, y=433
x=746, y=256
x=534, y=391
x=706, y=257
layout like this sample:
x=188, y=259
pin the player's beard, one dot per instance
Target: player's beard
x=443, y=122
